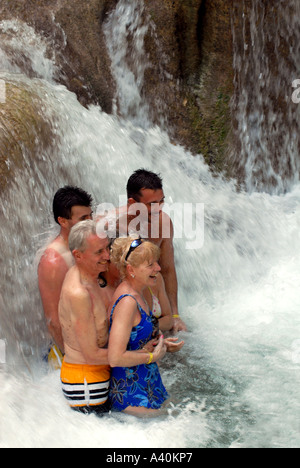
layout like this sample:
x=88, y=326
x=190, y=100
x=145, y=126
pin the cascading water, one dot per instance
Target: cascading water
x=236, y=383
x=125, y=33
x=266, y=62
x=22, y=48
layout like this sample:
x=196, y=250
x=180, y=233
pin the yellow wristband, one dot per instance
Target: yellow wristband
x=150, y=358
x=176, y=316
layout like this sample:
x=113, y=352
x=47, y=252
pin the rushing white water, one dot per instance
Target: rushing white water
x=22, y=49
x=125, y=33
x=236, y=383
x=266, y=45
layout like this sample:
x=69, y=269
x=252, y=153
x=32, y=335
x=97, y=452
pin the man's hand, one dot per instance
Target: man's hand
x=173, y=346
x=179, y=325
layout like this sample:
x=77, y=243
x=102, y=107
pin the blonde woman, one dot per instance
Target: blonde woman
x=136, y=384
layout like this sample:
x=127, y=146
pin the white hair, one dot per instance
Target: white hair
x=80, y=233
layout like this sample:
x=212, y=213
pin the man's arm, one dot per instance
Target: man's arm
x=84, y=327
x=166, y=320
x=51, y=273
x=168, y=270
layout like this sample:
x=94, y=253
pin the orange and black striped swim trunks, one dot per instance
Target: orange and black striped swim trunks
x=86, y=387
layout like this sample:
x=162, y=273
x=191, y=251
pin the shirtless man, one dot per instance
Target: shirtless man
x=145, y=188
x=70, y=206
x=85, y=372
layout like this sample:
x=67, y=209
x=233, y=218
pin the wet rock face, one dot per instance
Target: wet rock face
x=74, y=32
x=196, y=43
x=86, y=49
x=189, y=48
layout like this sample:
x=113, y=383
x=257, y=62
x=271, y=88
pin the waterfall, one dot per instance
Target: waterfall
x=236, y=383
x=125, y=33
x=266, y=62
x=24, y=50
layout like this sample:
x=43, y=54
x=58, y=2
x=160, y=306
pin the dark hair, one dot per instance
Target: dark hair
x=67, y=197
x=142, y=179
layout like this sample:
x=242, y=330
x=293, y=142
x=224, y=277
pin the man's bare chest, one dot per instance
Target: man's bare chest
x=100, y=316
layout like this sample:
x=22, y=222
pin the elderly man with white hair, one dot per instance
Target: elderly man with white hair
x=85, y=372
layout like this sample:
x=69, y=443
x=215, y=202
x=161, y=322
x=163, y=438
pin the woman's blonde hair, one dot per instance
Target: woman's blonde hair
x=147, y=251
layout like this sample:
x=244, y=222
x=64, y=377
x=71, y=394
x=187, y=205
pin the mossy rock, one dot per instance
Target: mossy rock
x=24, y=131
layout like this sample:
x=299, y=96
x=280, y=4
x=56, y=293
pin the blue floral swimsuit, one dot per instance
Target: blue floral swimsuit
x=138, y=386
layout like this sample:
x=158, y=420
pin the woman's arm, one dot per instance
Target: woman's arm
x=123, y=322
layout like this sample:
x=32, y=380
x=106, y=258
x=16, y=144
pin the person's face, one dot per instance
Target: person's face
x=153, y=200
x=146, y=273
x=95, y=259
x=78, y=214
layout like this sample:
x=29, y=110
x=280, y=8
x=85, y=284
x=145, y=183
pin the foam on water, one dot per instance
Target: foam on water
x=36, y=416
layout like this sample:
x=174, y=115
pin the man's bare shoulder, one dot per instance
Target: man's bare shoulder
x=73, y=286
x=75, y=297
x=52, y=269
x=72, y=280
x=51, y=257
x=78, y=294
x=57, y=256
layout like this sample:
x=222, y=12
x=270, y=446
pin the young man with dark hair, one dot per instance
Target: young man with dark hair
x=70, y=206
x=66, y=199
x=142, y=179
x=145, y=193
